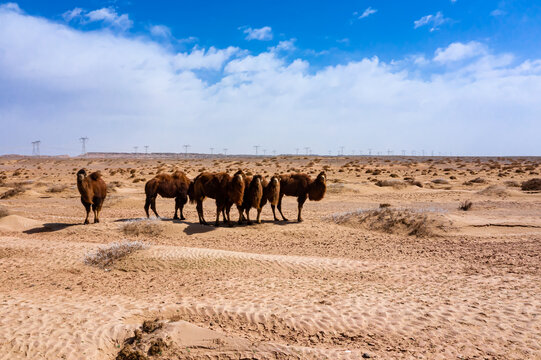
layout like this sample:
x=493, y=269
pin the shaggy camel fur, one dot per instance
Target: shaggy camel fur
x=301, y=186
x=252, y=197
x=93, y=191
x=271, y=194
x=219, y=186
x=168, y=186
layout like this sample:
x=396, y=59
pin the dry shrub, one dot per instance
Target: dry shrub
x=465, y=205
x=58, y=188
x=397, y=184
x=440, y=181
x=107, y=255
x=113, y=185
x=477, y=180
x=531, y=185
x=16, y=190
x=512, y=183
x=142, y=227
x=3, y=211
x=494, y=190
x=389, y=220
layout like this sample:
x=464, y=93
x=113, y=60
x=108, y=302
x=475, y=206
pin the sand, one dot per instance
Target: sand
x=312, y=290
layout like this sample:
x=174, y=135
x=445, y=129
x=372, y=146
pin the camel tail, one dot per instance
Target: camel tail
x=191, y=193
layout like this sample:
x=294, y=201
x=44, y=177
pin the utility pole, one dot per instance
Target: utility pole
x=369, y=152
x=35, y=148
x=83, y=141
x=225, y=151
x=256, y=148
x=211, y=151
x=342, y=150
x=306, y=149
x=297, y=149
x=186, y=150
x=146, y=149
x=135, y=149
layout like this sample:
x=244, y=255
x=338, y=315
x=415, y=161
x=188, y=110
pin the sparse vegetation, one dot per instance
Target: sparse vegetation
x=142, y=227
x=494, y=190
x=57, y=188
x=389, y=220
x=3, y=211
x=16, y=190
x=531, y=185
x=465, y=205
x=395, y=183
x=107, y=255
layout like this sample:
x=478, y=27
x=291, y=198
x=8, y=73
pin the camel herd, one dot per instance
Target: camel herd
x=246, y=192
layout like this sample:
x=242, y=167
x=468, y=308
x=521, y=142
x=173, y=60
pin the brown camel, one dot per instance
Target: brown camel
x=93, y=191
x=301, y=186
x=271, y=194
x=219, y=186
x=168, y=186
x=252, y=197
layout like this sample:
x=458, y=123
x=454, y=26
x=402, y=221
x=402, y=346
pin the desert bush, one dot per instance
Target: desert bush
x=3, y=211
x=57, y=188
x=16, y=190
x=389, y=220
x=113, y=185
x=142, y=227
x=477, y=180
x=440, y=181
x=107, y=255
x=465, y=205
x=494, y=190
x=512, y=183
x=531, y=185
x=397, y=184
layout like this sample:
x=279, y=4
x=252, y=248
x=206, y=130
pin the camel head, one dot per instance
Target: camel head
x=239, y=175
x=81, y=174
x=322, y=177
x=275, y=179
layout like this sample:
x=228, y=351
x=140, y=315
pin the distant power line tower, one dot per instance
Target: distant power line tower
x=186, y=150
x=225, y=151
x=307, y=149
x=35, y=147
x=369, y=152
x=274, y=152
x=83, y=140
x=211, y=151
x=146, y=149
x=135, y=149
x=264, y=152
x=297, y=150
x=256, y=147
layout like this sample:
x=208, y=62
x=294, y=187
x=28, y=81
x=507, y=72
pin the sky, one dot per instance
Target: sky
x=450, y=77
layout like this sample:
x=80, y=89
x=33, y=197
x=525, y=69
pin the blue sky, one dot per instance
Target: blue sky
x=456, y=77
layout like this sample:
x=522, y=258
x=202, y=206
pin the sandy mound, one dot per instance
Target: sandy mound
x=18, y=223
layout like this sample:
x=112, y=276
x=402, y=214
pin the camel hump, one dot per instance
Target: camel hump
x=95, y=175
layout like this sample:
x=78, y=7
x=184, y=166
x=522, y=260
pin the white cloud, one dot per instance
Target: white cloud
x=497, y=12
x=263, y=34
x=121, y=91
x=433, y=21
x=211, y=59
x=107, y=16
x=459, y=51
x=160, y=31
x=285, y=45
x=369, y=11
x=14, y=7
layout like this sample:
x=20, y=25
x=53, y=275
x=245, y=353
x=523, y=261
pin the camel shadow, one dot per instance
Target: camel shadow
x=49, y=227
x=196, y=228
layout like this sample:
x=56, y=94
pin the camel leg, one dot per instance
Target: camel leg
x=248, y=221
x=147, y=206
x=99, y=209
x=239, y=208
x=175, y=217
x=258, y=220
x=219, y=209
x=273, y=207
x=280, y=207
x=199, y=208
x=181, y=203
x=300, y=200
x=87, y=208
x=95, y=211
x=153, y=206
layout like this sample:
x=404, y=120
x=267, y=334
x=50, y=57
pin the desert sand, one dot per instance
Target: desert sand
x=436, y=282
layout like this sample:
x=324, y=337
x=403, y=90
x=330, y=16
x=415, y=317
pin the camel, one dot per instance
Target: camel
x=252, y=197
x=271, y=194
x=222, y=187
x=93, y=191
x=167, y=186
x=301, y=186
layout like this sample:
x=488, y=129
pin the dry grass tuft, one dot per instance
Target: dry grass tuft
x=531, y=185
x=107, y=255
x=397, y=184
x=58, y=188
x=3, y=211
x=16, y=190
x=392, y=221
x=440, y=181
x=465, y=205
x=142, y=227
